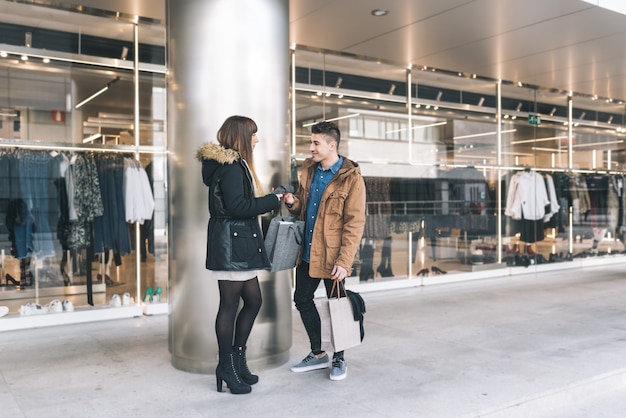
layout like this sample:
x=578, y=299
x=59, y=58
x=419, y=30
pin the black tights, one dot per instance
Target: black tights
x=225, y=324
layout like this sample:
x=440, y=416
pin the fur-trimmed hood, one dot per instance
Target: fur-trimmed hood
x=218, y=153
x=214, y=156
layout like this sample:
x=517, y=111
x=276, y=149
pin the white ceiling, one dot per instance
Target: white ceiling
x=569, y=45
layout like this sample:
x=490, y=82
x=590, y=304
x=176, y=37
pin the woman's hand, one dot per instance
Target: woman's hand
x=278, y=195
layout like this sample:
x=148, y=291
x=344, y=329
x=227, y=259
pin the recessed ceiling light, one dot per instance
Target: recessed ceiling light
x=379, y=12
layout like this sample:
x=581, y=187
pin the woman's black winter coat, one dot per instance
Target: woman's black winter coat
x=235, y=240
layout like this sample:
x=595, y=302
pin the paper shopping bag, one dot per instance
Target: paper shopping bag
x=345, y=331
x=326, y=330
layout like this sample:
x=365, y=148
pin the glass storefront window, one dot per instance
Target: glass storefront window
x=534, y=152
x=596, y=179
x=70, y=147
x=443, y=196
x=368, y=104
x=454, y=135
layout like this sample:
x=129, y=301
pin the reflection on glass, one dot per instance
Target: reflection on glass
x=445, y=195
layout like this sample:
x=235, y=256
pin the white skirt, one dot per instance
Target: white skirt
x=234, y=276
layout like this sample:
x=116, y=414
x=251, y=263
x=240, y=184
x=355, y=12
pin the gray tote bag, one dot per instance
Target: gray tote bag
x=282, y=242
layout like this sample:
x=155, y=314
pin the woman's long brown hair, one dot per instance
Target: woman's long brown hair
x=236, y=133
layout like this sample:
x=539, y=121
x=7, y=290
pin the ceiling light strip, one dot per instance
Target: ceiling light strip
x=332, y=119
x=483, y=134
x=594, y=144
x=92, y=138
x=549, y=150
x=417, y=127
x=529, y=141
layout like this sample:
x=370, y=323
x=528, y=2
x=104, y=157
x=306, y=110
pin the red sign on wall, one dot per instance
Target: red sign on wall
x=58, y=116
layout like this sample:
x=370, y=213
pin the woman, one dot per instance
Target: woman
x=235, y=249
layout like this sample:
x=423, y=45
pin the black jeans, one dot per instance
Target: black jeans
x=303, y=298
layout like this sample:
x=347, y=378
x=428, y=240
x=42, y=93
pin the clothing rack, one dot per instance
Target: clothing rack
x=14, y=148
x=56, y=147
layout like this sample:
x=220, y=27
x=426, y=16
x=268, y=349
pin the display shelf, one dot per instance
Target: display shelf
x=16, y=321
x=13, y=293
x=157, y=308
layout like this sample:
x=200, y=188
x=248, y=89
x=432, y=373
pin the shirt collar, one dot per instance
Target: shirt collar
x=334, y=168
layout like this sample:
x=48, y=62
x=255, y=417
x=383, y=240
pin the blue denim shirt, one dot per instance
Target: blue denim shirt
x=318, y=185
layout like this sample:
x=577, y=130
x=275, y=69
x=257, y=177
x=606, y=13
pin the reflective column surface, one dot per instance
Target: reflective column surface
x=218, y=69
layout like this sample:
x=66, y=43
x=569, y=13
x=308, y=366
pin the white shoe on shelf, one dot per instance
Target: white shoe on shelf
x=68, y=306
x=3, y=311
x=32, y=308
x=127, y=300
x=116, y=301
x=55, y=306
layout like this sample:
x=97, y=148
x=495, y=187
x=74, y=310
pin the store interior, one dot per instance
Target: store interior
x=445, y=196
x=71, y=129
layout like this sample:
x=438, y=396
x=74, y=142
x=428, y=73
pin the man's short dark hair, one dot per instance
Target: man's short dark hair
x=327, y=128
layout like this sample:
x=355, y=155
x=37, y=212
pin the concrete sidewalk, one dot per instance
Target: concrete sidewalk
x=536, y=345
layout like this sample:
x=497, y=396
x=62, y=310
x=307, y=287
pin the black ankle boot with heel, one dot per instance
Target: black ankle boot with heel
x=241, y=364
x=226, y=371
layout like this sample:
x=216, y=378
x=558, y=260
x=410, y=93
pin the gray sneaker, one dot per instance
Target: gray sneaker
x=339, y=370
x=310, y=362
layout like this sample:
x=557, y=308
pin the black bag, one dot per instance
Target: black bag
x=283, y=241
x=358, y=309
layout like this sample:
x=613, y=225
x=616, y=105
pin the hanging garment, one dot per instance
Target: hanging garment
x=83, y=203
x=36, y=191
x=581, y=203
x=138, y=199
x=378, y=217
x=526, y=203
x=21, y=225
x=597, y=189
x=111, y=230
x=554, y=201
x=527, y=197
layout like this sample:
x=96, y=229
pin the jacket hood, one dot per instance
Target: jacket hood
x=214, y=156
x=218, y=153
x=349, y=164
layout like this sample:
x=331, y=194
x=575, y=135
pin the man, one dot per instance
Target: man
x=331, y=200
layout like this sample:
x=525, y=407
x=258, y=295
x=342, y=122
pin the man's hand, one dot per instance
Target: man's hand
x=288, y=198
x=338, y=273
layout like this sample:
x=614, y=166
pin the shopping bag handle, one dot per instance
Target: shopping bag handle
x=341, y=285
x=294, y=228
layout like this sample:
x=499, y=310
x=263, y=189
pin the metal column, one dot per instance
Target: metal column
x=225, y=57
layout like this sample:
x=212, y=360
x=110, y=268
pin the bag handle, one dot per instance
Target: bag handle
x=298, y=237
x=341, y=285
x=282, y=189
x=279, y=212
